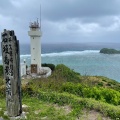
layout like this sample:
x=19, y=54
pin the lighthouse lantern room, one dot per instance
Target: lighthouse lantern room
x=35, y=36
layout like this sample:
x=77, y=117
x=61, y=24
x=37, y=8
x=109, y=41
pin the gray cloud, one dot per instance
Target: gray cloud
x=64, y=20
x=63, y=9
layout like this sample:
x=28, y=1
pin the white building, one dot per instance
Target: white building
x=35, y=38
x=35, y=70
x=23, y=68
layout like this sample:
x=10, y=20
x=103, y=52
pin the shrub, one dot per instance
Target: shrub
x=104, y=94
x=100, y=84
x=64, y=98
x=2, y=90
x=1, y=70
x=66, y=74
x=51, y=66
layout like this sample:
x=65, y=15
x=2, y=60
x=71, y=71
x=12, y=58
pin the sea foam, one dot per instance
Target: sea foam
x=69, y=53
x=65, y=53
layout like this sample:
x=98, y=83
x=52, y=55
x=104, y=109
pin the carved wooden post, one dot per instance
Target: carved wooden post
x=11, y=66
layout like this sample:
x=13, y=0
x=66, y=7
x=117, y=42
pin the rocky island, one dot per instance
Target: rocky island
x=109, y=51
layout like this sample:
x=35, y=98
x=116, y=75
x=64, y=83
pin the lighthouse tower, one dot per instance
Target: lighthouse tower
x=35, y=36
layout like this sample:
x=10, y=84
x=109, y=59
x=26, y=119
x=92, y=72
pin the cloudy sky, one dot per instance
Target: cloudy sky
x=63, y=20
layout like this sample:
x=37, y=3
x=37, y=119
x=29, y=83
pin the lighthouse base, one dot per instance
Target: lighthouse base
x=31, y=72
x=34, y=68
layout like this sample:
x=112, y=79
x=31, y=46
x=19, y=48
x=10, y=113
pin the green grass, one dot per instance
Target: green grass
x=48, y=96
x=3, y=108
x=44, y=110
x=38, y=110
x=80, y=103
x=2, y=103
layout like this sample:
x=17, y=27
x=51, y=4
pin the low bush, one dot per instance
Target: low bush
x=51, y=66
x=64, y=98
x=2, y=91
x=1, y=70
x=64, y=73
x=104, y=94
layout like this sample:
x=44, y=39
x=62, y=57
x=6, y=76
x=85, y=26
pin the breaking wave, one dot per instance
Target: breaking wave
x=65, y=53
x=68, y=53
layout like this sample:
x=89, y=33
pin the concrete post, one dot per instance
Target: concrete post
x=11, y=66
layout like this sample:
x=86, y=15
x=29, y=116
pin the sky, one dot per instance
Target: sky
x=72, y=21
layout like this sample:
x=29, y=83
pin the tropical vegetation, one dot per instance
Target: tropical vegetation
x=65, y=95
x=109, y=51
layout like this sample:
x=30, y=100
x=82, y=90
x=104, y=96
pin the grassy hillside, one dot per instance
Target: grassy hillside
x=66, y=95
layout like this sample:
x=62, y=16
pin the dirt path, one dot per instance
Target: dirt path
x=92, y=115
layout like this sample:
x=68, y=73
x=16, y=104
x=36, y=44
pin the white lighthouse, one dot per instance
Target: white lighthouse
x=35, y=38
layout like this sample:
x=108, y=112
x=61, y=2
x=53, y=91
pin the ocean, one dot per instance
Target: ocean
x=84, y=58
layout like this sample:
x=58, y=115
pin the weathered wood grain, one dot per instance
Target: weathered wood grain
x=11, y=66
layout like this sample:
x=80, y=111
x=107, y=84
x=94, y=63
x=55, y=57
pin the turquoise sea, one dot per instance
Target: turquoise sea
x=84, y=58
